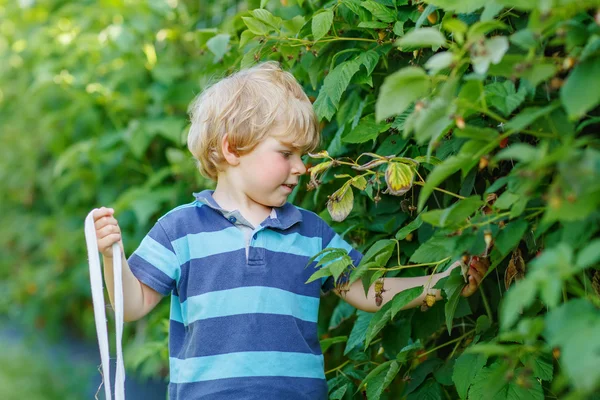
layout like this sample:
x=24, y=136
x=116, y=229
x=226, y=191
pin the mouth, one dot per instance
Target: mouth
x=290, y=186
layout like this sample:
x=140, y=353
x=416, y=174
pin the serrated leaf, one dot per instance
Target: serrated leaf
x=504, y=97
x=510, y=236
x=466, y=367
x=321, y=23
x=517, y=298
x=404, y=297
x=379, y=320
x=528, y=116
x=341, y=312
x=359, y=331
x=379, y=11
x=359, y=182
x=436, y=248
x=255, y=26
x=463, y=6
x=367, y=129
x=455, y=214
x=412, y=226
x=452, y=288
x=268, y=18
x=422, y=37
x=399, y=90
x=399, y=178
x=320, y=273
x=439, y=174
x=337, y=81
x=328, y=342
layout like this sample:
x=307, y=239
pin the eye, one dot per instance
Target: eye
x=286, y=154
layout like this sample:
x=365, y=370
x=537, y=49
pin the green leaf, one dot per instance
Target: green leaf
x=268, y=18
x=412, y=226
x=341, y=312
x=321, y=272
x=455, y=214
x=581, y=91
x=379, y=320
x=321, y=23
x=520, y=151
x=575, y=328
x=367, y=129
x=528, y=116
x=255, y=26
x=373, y=25
x=439, y=61
x=218, y=45
x=482, y=28
x=359, y=331
x=450, y=166
x=435, y=249
x=453, y=288
x=422, y=37
x=326, y=343
x=340, y=392
x=476, y=133
x=504, y=97
x=379, y=11
x=399, y=90
x=589, y=255
x=463, y=6
x=404, y=297
x=539, y=72
x=491, y=384
x=337, y=81
x=541, y=364
x=245, y=37
x=466, y=367
x=509, y=237
x=517, y=298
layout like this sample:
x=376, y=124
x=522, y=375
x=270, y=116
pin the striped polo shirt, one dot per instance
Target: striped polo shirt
x=243, y=323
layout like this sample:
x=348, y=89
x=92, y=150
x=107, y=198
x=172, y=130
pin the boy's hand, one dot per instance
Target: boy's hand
x=107, y=231
x=478, y=267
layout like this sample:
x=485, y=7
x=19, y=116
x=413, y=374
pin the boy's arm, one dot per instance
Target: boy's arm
x=355, y=295
x=138, y=299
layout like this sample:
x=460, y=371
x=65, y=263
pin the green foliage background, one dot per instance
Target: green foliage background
x=491, y=107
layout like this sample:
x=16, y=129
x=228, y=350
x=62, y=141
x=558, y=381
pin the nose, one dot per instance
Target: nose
x=298, y=167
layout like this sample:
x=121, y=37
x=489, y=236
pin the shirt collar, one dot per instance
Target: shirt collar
x=281, y=217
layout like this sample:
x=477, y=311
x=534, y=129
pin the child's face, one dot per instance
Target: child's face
x=271, y=171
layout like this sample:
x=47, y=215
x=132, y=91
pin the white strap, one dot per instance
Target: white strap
x=99, y=313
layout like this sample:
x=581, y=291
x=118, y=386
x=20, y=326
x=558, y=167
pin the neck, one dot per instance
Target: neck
x=230, y=195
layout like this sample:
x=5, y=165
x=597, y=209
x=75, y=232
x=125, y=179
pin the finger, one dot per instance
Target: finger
x=477, y=277
x=104, y=221
x=103, y=211
x=106, y=243
x=480, y=267
x=470, y=288
x=108, y=230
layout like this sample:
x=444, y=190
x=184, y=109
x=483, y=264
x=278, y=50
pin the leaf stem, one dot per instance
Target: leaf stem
x=399, y=267
x=442, y=190
x=461, y=337
x=486, y=304
x=338, y=367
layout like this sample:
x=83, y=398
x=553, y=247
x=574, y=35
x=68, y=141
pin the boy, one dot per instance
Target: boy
x=243, y=323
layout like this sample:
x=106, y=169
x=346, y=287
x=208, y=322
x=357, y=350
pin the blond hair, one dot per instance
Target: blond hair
x=248, y=106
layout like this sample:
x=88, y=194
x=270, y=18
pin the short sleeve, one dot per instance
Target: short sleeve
x=155, y=262
x=332, y=239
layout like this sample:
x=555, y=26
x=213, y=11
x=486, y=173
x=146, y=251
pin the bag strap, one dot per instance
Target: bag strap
x=99, y=312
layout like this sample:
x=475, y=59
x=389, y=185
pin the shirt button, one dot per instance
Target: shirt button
x=232, y=220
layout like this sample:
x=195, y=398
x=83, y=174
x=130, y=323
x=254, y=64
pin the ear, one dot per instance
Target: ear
x=231, y=155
